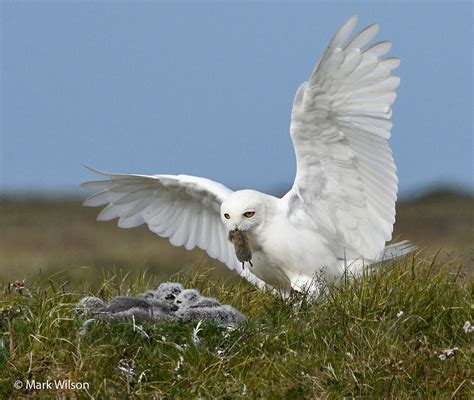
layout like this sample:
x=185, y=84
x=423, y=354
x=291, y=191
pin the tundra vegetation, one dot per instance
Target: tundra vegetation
x=405, y=330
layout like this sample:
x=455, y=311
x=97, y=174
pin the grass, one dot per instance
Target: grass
x=349, y=342
x=353, y=340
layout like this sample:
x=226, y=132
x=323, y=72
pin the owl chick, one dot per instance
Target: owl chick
x=90, y=305
x=138, y=308
x=138, y=314
x=222, y=315
x=168, y=291
x=124, y=303
x=241, y=243
x=191, y=298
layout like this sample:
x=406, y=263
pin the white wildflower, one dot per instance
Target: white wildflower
x=468, y=327
x=400, y=314
x=228, y=331
x=447, y=353
x=244, y=390
x=127, y=367
x=180, y=363
x=450, y=352
x=350, y=355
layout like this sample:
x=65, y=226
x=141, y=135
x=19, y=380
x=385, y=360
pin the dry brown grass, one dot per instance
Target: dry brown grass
x=41, y=235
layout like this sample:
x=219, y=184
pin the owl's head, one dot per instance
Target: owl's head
x=243, y=210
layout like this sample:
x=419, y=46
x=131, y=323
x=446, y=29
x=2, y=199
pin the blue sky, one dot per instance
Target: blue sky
x=206, y=88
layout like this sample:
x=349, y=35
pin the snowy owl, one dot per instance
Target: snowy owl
x=341, y=208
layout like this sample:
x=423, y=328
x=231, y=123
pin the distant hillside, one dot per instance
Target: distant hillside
x=49, y=234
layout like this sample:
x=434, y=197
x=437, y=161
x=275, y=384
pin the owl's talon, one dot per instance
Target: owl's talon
x=243, y=264
x=250, y=262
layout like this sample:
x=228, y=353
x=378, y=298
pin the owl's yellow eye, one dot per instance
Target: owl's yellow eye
x=226, y=216
x=249, y=214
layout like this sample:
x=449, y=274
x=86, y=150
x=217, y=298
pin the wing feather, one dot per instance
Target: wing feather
x=363, y=37
x=379, y=49
x=341, y=120
x=183, y=208
x=180, y=229
x=193, y=223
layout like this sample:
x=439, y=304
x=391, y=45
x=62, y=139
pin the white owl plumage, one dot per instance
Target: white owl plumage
x=341, y=209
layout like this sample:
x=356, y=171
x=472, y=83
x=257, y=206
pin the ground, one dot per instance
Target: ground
x=402, y=331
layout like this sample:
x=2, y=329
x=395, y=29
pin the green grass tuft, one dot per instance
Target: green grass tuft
x=350, y=341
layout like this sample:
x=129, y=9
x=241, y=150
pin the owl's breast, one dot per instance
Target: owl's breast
x=284, y=255
x=270, y=270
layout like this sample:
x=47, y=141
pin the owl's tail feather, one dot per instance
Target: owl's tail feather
x=396, y=250
x=391, y=252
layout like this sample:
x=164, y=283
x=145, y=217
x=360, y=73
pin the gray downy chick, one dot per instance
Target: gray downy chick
x=191, y=298
x=139, y=306
x=162, y=307
x=167, y=291
x=90, y=305
x=224, y=315
x=134, y=313
x=162, y=299
x=124, y=303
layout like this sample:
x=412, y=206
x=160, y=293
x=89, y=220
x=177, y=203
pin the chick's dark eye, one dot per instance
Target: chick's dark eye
x=249, y=214
x=226, y=216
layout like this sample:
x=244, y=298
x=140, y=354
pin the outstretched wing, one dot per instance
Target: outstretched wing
x=346, y=178
x=185, y=209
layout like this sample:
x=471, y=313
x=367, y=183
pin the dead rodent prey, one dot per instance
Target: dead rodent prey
x=241, y=244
